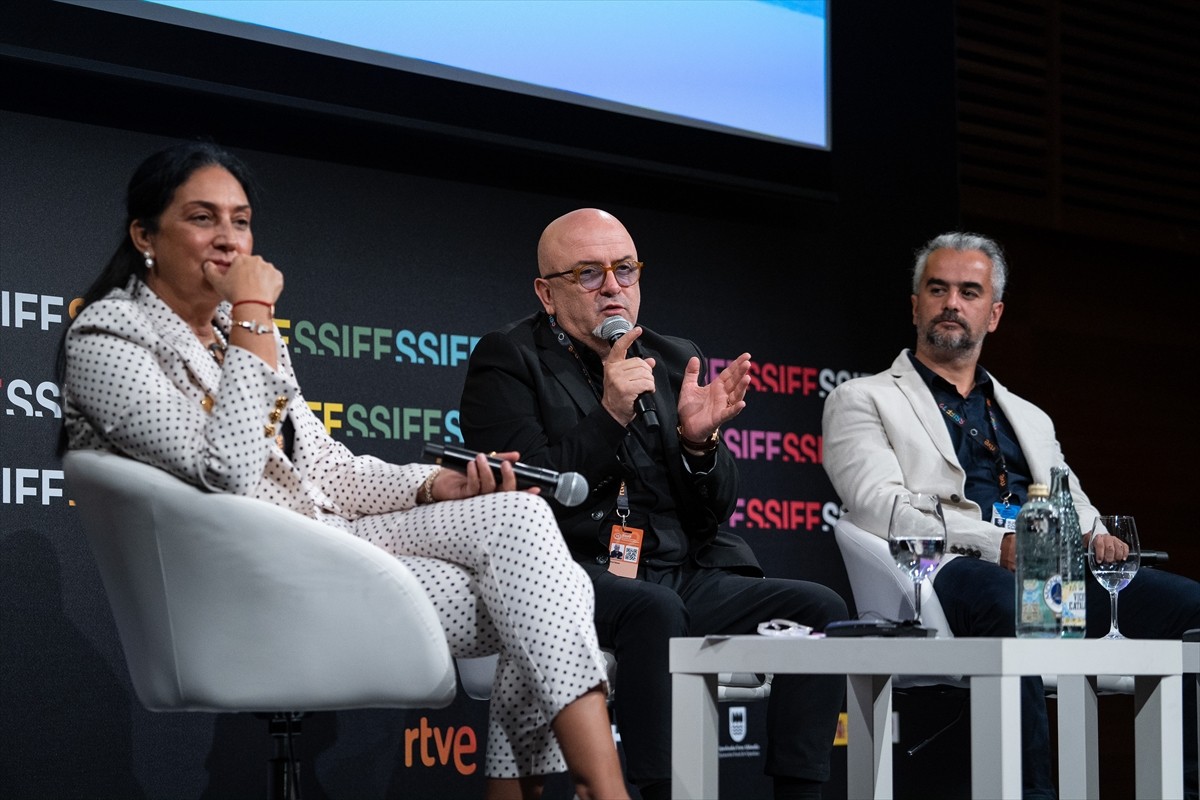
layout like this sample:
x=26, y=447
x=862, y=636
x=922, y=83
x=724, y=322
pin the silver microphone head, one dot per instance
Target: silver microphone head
x=613, y=328
x=571, y=489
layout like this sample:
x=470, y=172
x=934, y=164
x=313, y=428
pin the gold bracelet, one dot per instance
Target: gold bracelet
x=426, y=490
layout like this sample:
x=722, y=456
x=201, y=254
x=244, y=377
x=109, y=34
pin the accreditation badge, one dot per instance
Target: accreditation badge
x=624, y=551
x=1004, y=515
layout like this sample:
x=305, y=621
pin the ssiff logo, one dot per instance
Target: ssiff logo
x=737, y=723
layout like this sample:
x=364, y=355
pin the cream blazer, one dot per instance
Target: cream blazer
x=884, y=434
x=138, y=382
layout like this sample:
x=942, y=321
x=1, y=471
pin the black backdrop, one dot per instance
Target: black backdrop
x=404, y=214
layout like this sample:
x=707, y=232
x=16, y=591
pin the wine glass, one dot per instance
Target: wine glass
x=917, y=538
x=1114, y=575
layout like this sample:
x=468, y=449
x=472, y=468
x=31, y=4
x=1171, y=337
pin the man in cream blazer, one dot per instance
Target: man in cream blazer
x=885, y=435
x=939, y=423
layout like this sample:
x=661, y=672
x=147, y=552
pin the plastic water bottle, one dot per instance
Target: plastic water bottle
x=1039, y=588
x=1072, y=558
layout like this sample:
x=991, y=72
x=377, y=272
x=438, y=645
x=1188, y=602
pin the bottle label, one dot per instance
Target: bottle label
x=1053, y=594
x=1039, y=584
x=1074, y=607
x=1032, y=605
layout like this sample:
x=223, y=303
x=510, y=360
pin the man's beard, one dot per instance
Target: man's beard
x=950, y=341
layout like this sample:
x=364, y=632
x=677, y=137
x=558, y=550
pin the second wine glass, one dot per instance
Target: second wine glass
x=917, y=538
x=1114, y=572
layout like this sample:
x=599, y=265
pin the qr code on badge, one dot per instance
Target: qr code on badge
x=631, y=553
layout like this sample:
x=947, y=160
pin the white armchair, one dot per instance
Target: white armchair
x=880, y=590
x=226, y=603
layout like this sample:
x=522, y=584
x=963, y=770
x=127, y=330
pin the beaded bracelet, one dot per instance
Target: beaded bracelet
x=426, y=490
x=253, y=327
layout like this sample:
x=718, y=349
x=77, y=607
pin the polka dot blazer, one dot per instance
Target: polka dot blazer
x=139, y=382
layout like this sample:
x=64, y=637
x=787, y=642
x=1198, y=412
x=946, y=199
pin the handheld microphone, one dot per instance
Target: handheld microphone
x=1154, y=558
x=568, y=488
x=612, y=329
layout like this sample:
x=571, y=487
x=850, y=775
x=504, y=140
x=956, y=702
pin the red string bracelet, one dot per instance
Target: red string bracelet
x=270, y=306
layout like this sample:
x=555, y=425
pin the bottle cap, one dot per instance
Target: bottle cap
x=1038, y=490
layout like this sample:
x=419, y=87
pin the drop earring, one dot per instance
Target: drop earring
x=149, y=260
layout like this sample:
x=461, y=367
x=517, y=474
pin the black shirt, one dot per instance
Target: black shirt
x=983, y=471
x=651, y=503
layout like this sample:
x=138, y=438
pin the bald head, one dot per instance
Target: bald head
x=564, y=238
x=585, y=237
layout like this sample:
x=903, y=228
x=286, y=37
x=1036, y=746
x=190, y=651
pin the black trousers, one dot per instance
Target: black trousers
x=979, y=598
x=636, y=618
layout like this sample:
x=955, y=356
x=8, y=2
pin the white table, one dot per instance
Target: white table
x=994, y=667
x=1191, y=668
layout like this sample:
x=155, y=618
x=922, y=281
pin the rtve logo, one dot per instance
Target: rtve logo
x=453, y=745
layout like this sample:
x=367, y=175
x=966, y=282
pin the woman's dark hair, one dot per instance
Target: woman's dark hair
x=150, y=191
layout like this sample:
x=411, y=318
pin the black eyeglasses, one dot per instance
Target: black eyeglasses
x=592, y=276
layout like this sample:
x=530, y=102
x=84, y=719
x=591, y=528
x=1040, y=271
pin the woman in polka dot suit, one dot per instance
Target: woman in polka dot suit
x=175, y=361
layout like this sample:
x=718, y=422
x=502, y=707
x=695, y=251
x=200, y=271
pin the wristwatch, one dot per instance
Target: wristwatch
x=703, y=447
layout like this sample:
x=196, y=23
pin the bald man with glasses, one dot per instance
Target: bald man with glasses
x=568, y=391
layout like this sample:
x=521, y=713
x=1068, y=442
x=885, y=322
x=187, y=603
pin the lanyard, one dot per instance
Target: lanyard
x=623, y=505
x=565, y=341
x=987, y=444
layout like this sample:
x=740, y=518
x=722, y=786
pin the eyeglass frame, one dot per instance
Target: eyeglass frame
x=575, y=271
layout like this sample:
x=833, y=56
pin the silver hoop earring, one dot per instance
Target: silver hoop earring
x=149, y=260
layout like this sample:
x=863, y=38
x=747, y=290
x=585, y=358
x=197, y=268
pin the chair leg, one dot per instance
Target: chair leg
x=283, y=769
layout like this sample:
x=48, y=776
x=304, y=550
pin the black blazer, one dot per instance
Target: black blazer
x=524, y=391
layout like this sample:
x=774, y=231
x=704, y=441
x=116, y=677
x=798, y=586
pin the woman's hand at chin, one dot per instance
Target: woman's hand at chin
x=248, y=277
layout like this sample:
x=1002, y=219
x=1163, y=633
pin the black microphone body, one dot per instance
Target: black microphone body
x=612, y=330
x=1154, y=558
x=568, y=488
